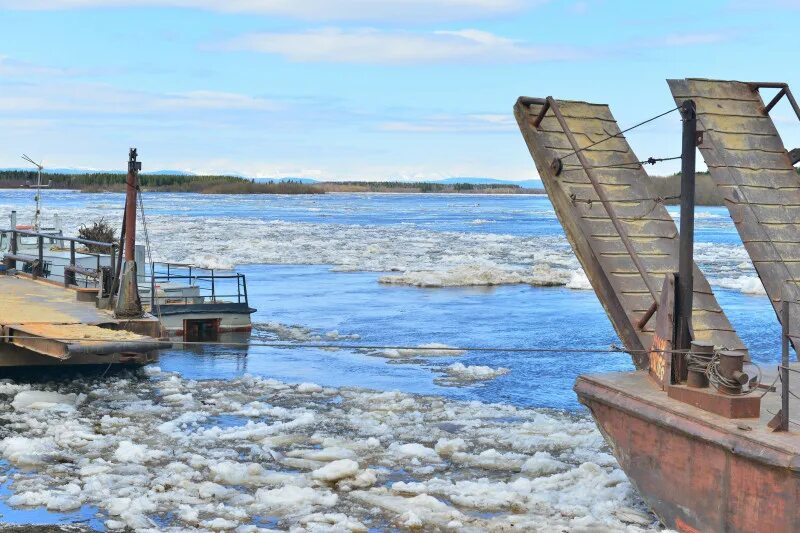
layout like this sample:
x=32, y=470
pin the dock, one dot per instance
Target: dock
x=44, y=323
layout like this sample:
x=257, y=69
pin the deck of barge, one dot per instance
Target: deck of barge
x=639, y=388
x=700, y=471
x=43, y=323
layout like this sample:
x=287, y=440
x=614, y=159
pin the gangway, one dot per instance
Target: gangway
x=754, y=174
x=620, y=231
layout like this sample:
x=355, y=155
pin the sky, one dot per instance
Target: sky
x=359, y=89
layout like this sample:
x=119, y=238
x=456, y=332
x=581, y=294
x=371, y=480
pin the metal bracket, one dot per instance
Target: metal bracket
x=794, y=156
x=556, y=166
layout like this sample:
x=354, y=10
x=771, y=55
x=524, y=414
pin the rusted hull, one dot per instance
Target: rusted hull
x=696, y=477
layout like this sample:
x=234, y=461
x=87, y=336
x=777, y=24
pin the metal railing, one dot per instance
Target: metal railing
x=204, y=285
x=39, y=266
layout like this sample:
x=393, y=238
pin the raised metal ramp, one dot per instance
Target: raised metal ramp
x=753, y=172
x=625, y=240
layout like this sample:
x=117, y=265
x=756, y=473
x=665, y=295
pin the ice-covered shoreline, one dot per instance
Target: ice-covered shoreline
x=167, y=453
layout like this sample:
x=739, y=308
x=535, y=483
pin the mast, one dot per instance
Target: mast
x=129, y=304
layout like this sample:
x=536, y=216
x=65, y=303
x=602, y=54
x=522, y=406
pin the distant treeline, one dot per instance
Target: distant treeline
x=113, y=182
x=705, y=193
x=423, y=187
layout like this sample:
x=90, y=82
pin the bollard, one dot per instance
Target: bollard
x=701, y=354
x=731, y=366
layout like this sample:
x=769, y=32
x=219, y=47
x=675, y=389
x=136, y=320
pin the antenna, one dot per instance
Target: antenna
x=37, y=216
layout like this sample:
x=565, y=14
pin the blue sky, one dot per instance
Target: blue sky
x=358, y=89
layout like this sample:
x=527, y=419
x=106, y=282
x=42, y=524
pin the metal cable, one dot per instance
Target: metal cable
x=283, y=344
x=149, y=252
x=658, y=199
x=620, y=133
x=771, y=387
x=697, y=362
x=632, y=166
x=717, y=380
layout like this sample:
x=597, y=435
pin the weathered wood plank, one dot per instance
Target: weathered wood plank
x=623, y=289
x=752, y=169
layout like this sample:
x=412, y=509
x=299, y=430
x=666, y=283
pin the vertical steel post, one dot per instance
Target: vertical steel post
x=244, y=286
x=213, y=291
x=785, y=365
x=686, y=253
x=113, y=267
x=130, y=206
x=69, y=278
x=40, y=268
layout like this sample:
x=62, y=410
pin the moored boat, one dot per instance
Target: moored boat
x=707, y=442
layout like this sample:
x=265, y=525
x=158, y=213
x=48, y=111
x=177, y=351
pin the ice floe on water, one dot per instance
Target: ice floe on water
x=157, y=452
x=413, y=255
x=456, y=374
x=299, y=333
x=461, y=372
x=482, y=275
x=744, y=284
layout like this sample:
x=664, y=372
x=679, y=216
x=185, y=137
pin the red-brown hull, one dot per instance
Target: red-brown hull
x=696, y=477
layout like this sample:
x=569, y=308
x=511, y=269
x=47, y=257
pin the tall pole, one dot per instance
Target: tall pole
x=128, y=304
x=38, y=197
x=686, y=253
x=130, y=205
x=37, y=218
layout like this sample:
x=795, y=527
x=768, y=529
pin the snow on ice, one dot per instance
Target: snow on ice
x=250, y=453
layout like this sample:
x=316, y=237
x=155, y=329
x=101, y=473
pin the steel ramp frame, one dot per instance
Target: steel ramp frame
x=622, y=235
x=754, y=173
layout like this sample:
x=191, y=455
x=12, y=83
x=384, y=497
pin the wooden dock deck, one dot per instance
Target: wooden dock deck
x=42, y=323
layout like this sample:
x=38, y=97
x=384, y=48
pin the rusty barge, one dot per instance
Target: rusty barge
x=710, y=447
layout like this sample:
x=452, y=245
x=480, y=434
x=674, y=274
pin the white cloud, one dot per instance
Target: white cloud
x=468, y=123
x=306, y=9
x=216, y=100
x=371, y=46
x=106, y=99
